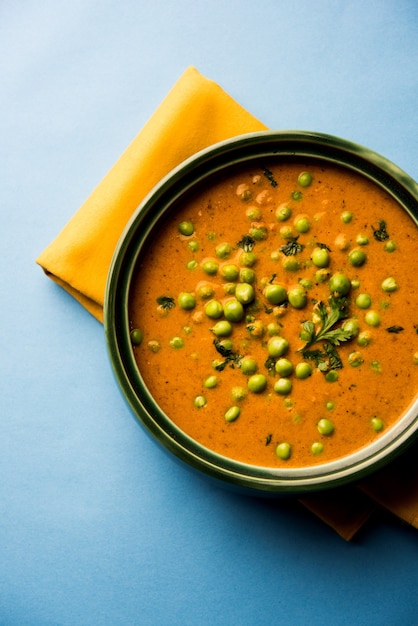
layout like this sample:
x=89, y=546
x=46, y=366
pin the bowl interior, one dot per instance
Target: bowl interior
x=201, y=170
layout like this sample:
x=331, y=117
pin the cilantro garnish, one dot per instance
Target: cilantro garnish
x=331, y=336
x=292, y=247
x=166, y=302
x=247, y=243
x=380, y=234
x=395, y=329
x=230, y=357
x=270, y=177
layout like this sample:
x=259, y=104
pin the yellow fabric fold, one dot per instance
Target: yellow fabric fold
x=196, y=113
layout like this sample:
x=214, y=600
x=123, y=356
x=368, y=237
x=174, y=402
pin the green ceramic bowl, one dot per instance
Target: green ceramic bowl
x=198, y=170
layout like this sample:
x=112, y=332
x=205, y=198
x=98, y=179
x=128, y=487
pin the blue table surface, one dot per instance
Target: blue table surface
x=97, y=525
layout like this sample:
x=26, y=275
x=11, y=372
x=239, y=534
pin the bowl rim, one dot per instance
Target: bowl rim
x=192, y=172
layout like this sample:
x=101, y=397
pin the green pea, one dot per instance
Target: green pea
x=377, y=424
x=357, y=257
x=233, y=310
x=320, y=257
x=306, y=283
x=229, y=289
x=257, y=383
x=211, y=382
x=305, y=179
x=191, y=265
x=372, y=318
x=364, y=338
x=346, y=217
x=247, y=259
x=284, y=367
x=273, y=329
x=389, y=285
x=283, y=451
x=186, y=228
x=296, y=195
x=283, y=212
x=339, y=284
x=275, y=294
x=223, y=250
x=222, y=329
x=204, y=291
x=277, y=346
x=303, y=370
x=330, y=405
x=238, y=393
x=362, y=240
x=297, y=297
x=363, y=301
x=325, y=427
x=214, y=309
x=210, y=267
x=415, y=358
x=248, y=366
x=317, y=448
x=352, y=326
x=232, y=413
x=154, y=345
x=331, y=376
x=200, y=402
x=355, y=359
x=253, y=213
x=229, y=271
x=302, y=224
x=286, y=232
x=390, y=246
x=193, y=246
x=355, y=283
x=283, y=386
x=244, y=293
x=176, y=343
x=186, y=301
x=376, y=367
x=136, y=336
x=291, y=264
x=247, y=275
x=258, y=233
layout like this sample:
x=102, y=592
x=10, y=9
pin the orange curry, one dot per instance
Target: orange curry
x=275, y=315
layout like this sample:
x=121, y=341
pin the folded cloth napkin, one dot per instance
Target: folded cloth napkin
x=195, y=114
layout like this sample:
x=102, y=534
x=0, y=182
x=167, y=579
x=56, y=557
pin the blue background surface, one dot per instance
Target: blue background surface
x=97, y=525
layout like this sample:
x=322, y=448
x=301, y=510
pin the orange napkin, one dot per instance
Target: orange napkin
x=195, y=114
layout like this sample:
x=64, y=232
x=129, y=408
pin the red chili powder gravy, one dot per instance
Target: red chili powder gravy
x=361, y=358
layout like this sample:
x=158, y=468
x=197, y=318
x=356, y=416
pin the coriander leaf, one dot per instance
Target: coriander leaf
x=230, y=356
x=270, y=177
x=380, y=234
x=166, y=302
x=247, y=243
x=292, y=247
x=395, y=329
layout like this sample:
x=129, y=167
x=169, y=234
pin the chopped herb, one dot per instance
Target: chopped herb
x=335, y=362
x=323, y=246
x=395, y=329
x=166, y=302
x=270, y=364
x=292, y=247
x=270, y=177
x=246, y=243
x=328, y=318
x=231, y=357
x=268, y=439
x=380, y=234
x=272, y=278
